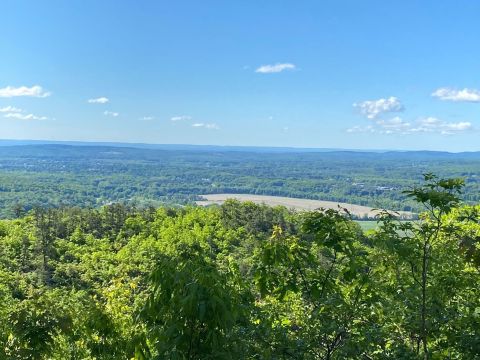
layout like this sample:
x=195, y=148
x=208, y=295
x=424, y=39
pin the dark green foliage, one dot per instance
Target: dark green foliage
x=192, y=310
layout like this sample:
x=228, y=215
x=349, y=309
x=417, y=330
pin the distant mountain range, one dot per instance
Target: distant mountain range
x=219, y=148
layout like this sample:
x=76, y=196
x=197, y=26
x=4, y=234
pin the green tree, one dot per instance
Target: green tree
x=419, y=268
x=192, y=310
x=325, y=275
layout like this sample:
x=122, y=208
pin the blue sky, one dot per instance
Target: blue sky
x=345, y=74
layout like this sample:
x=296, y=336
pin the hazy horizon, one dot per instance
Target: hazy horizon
x=19, y=142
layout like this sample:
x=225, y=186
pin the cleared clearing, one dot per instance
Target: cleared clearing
x=296, y=204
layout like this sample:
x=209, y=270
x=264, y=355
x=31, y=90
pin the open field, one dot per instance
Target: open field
x=367, y=224
x=295, y=203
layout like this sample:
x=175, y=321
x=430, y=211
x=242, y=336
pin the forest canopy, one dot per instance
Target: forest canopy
x=242, y=281
x=93, y=176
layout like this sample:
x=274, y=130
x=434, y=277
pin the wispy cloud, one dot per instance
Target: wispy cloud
x=20, y=116
x=275, y=68
x=10, y=109
x=394, y=125
x=432, y=124
x=463, y=95
x=100, y=100
x=111, y=113
x=206, y=126
x=147, y=118
x=373, y=108
x=181, y=118
x=399, y=126
x=188, y=118
x=361, y=129
x=34, y=91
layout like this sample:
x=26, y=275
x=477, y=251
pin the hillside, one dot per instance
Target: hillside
x=240, y=281
x=94, y=175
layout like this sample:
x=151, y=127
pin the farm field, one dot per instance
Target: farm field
x=358, y=211
x=368, y=224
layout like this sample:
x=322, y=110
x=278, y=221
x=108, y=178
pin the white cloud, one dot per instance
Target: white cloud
x=432, y=124
x=24, y=116
x=397, y=125
x=459, y=126
x=100, y=100
x=372, y=108
x=110, y=113
x=467, y=95
x=147, y=118
x=361, y=129
x=10, y=109
x=275, y=68
x=34, y=91
x=428, y=121
x=180, y=118
x=394, y=125
x=206, y=126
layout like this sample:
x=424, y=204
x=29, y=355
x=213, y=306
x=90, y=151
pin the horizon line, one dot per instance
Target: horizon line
x=299, y=148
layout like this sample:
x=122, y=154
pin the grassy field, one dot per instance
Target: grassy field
x=367, y=225
x=295, y=203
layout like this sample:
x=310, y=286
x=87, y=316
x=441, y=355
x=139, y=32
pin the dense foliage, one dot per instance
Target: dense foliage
x=242, y=281
x=92, y=176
